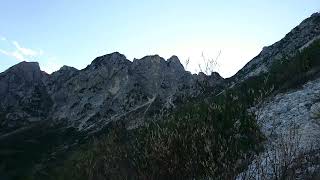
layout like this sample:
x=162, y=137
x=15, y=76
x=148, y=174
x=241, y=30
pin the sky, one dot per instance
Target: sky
x=74, y=32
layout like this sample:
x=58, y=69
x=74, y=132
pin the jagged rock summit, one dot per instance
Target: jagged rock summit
x=110, y=88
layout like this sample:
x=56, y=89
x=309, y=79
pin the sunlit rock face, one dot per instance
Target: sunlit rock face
x=110, y=88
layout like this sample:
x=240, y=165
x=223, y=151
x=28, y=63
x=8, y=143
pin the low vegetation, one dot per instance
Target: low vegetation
x=199, y=141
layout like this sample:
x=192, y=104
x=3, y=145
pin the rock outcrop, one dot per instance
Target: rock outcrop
x=291, y=124
x=24, y=98
x=297, y=39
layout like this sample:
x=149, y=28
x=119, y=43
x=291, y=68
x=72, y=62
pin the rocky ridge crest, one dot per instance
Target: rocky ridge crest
x=106, y=90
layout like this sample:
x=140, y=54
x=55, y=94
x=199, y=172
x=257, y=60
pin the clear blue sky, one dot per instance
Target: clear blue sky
x=74, y=32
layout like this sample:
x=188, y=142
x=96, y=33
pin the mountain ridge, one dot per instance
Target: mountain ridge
x=106, y=77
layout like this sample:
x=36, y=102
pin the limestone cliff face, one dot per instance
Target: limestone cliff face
x=110, y=88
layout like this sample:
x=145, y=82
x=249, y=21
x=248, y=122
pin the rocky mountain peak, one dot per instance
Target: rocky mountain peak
x=27, y=71
x=157, y=63
x=174, y=61
x=216, y=75
x=109, y=60
x=26, y=66
x=62, y=75
x=150, y=59
x=153, y=64
x=67, y=68
x=315, y=14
